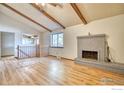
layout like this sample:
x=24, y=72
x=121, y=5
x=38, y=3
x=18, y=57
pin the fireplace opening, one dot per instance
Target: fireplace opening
x=90, y=55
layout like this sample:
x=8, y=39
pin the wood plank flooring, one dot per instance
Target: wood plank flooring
x=50, y=71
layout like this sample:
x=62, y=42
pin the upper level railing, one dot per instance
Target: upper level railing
x=28, y=51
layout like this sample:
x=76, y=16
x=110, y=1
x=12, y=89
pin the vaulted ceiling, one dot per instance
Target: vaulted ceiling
x=51, y=17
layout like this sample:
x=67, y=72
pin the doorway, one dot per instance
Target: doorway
x=7, y=44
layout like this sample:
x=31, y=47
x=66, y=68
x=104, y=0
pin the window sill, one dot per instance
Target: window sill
x=56, y=47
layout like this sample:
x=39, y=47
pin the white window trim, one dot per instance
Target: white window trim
x=57, y=40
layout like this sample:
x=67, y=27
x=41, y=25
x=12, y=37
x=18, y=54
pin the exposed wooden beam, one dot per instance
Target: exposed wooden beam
x=46, y=14
x=76, y=9
x=28, y=18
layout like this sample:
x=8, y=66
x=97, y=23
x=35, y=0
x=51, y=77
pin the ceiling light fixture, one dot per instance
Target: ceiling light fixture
x=43, y=4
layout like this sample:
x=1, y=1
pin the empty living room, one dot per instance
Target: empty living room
x=56, y=44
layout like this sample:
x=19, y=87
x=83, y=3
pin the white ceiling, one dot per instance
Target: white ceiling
x=31, y=12
x=98, y=11
x=14, y=15
x=65, y=15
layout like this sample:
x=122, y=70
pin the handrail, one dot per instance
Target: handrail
x=28, y=51
x=24, y=53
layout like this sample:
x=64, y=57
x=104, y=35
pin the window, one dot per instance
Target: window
x=56, y=40
x=26, y=40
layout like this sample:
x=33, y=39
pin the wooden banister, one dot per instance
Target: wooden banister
x=28, y=51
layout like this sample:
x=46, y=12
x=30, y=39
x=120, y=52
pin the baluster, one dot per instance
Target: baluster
x=25, y=50
x=18, y=51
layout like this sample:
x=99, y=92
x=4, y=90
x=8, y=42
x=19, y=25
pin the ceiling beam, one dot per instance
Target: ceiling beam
x=76, y=9
x=46, y=14
x=28, y=18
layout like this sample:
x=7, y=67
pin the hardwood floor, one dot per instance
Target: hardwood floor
x=50, y=71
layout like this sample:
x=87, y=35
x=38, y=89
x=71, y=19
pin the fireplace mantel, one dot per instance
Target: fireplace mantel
x=91, y=36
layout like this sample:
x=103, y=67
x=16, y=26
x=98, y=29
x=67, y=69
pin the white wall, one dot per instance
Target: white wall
x=0, y=44
x=44, y=42
x=7, y=43
x=113, y=27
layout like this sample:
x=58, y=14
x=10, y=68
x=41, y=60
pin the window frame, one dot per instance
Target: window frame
x=26, y=37
x=51, y=40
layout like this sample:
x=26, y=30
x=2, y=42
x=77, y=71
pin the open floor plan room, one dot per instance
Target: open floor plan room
x=61, y=44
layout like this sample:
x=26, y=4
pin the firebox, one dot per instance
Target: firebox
x=90, y=54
